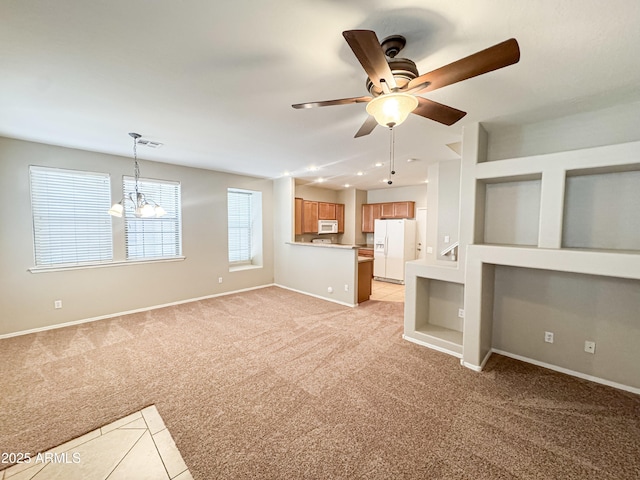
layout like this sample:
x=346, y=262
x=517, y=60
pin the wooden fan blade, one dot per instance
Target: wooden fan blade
x=438, y=112
x=416, y=88
x=328, y=103
x=499, y=56
x=367, y=127
x=366, y=47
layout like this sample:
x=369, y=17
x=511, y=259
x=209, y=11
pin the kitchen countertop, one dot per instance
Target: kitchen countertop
x=364, y=259
x=324, y=245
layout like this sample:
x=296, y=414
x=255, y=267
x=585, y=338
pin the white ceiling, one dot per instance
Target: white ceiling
x=214, y=81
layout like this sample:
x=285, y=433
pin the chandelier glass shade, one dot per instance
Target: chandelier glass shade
x=143, y=207
x=391, y=109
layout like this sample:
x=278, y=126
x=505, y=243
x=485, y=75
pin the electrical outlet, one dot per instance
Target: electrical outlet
x=429, y=249
x=346, y=287
x=461, y=312
x=548, y=337
x=219, y=279
x=57, y=304
x=330, y=289
x=446, y=239
x=590, y=347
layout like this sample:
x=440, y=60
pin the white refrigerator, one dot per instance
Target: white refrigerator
x=394, y=243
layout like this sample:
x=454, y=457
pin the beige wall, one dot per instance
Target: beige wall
x=306, y=268
x=512, y=213
x=601, y=211
x=416, y=194
x=26, y=299
x=575, y=308
x=593, y=211
x=317, y=194
x=608, y=126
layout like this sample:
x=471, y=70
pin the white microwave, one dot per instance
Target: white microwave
x=327, y=226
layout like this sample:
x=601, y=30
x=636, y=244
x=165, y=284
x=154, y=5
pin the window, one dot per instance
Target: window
x=153, y=237
x=71, y=225
x=244, y=227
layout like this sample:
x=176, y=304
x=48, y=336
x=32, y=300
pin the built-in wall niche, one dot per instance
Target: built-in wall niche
x=510, y=212
x=602, y=209
x=576, y=308
x=437, y=312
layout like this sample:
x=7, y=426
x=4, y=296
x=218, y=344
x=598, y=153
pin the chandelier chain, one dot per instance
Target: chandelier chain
x=136, y=168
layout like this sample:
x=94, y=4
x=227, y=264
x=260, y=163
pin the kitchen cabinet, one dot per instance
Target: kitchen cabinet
x=365, y=274
x=374, y=211
x=326, y=211
x=370, y=213
x=308, y=212
x=340, y=217
x=404, y=210
x=387, y=210
x=309, y=216
x=298, y=217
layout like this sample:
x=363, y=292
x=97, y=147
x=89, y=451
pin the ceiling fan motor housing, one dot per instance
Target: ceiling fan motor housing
x=392, y=45
x=403, y=69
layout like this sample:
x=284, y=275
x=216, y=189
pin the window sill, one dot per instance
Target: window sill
x=63, y=268
x=238, y=268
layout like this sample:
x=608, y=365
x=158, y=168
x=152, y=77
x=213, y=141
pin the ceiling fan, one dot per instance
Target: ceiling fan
x=394, y=83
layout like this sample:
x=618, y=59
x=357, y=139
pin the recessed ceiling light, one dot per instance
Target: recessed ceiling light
x=412, y=160
x=426, y=181
x=360, y=174
x=346, y=185
x=286, y=173
x=313, y=168
x=320, y=180
x=379, y=164
x=385, y=180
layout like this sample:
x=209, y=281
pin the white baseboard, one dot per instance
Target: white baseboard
x=316, y=296
x=432, y=347
x=573, y=373
x=112, y=315
x=477, y=368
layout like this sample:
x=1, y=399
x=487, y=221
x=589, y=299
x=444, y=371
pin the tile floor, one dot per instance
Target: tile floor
x=387, y=292
x=136, y=447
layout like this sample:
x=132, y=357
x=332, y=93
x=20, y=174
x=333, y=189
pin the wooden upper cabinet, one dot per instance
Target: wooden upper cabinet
x=370, y=213
x=387, y=210
x=326, y=211
x=309, y=217
x=298, y=217
x=404, y=209
x=367, y=218
x=376, y=214
x=374, y=211
x=340, y=217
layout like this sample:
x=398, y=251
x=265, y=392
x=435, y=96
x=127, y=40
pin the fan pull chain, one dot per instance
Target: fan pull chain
x=392, y=154
x=393, y=151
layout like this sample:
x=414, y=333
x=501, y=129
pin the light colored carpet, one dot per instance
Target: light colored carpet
x=274, y=384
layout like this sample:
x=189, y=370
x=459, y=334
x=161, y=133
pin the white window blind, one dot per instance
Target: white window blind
x=153, y=237
x=71, y=225
x=239, y=225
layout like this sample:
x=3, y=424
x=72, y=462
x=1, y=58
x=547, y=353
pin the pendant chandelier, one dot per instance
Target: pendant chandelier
x=143, y=207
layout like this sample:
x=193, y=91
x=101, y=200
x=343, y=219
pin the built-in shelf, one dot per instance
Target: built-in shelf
x=527, y=219
x=432, y=307
x=449, y=338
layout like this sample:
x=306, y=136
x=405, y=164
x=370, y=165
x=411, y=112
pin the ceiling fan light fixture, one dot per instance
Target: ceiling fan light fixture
x=391, y=109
